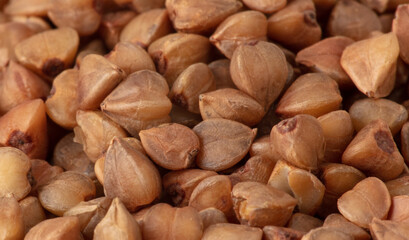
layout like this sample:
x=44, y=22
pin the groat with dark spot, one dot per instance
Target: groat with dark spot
x=384, y=141
x=300, y=141
x=25, y=127
x=287, y=125
x=21, y=141
x=52, y=67
x=374, y=152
